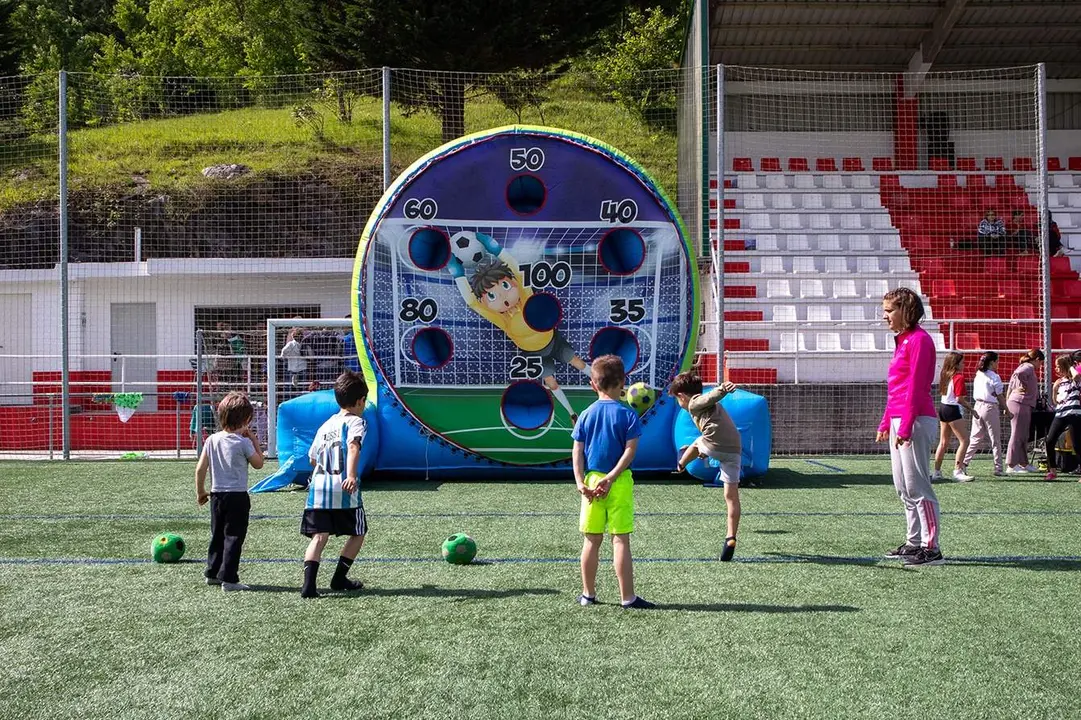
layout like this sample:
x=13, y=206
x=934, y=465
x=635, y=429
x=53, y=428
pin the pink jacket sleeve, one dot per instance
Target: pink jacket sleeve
x=921, y=375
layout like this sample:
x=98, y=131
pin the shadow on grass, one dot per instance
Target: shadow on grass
x=755, y=608
x=1065, y=564
x=788, y=479
x=424, y=591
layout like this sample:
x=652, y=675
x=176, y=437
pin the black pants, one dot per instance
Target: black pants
x=1058, y=425
x=228, y=528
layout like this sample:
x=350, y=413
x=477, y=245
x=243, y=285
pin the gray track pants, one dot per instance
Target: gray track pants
x=912, y=479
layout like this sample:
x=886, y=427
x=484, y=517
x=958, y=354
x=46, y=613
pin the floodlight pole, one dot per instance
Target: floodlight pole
x=386, y=128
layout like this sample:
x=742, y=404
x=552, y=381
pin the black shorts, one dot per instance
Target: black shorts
x=339, y=521
x=949, y=413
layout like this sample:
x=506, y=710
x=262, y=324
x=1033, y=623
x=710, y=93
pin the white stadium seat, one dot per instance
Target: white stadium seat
x=859, y=243
x=837, y=264
x=747, y=181
x=842, y=201
x=754, y=201
x=772, y=264
x=788, y=342
x=876, y=288
x=784, y=313
x=805, y=181
x=852, y=313
x=1074, y=200
x=811, y=289
x=870, y=201
x=828, y=342
x=788, y=221
x=863, y=182
x=778, y=289
x=862, y=341
x=851, y=222
x=819, y=313
x=775, y=181
x=844, y=289
x=886, y=243
x=820, y=221
x=829, y=243
x=801, y=264
x=899, y=264
x=833, y=182
x=766, y=243
x=782, y=201
x=813, y=201
x=797, y=243
x=758, y=221
x=866, y=264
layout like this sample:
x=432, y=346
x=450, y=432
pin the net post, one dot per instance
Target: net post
x=198, y=392
x=65, y=361
x=271, y=390
x=718, y=252
x=1044, y=227
x=386, y=128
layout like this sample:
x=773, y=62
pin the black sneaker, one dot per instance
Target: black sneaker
x=903, y=551
x=346, y=584
x=729, y=548
x=639, y=604
x=585, y=600
x=925, y=557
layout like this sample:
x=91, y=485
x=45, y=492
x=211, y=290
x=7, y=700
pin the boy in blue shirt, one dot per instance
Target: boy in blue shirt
x=605, y=441
x=334, y=504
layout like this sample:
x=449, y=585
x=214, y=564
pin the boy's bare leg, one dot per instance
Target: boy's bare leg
x=731, y=498
x=580, y=365
x=314, y=553
x=352, y=546
x=591, y=548
x=689, y=456
x=621, y=559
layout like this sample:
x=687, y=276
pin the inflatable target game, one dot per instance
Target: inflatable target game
x=498, y=266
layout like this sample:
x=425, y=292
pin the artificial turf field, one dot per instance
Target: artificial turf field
x=810, y=622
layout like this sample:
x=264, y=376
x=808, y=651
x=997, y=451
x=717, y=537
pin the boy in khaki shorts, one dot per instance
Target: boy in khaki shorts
x=720, y=441
x=605, y=440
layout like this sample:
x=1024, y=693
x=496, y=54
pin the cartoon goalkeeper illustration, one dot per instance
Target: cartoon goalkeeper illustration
x=494, y=289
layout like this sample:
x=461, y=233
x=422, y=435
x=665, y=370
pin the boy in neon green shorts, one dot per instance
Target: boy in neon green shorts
x=605, y=440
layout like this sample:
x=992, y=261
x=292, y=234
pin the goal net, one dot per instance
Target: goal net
x=839, y=187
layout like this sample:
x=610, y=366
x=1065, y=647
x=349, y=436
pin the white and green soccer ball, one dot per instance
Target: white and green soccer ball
x=640, y=397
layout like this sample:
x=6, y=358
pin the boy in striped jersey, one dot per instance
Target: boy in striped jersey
x=334, y=504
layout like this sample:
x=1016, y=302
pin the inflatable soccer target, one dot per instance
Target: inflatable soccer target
x=494, y=270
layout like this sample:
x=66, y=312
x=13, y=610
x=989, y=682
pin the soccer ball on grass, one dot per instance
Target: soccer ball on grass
x=459, y=549
x=167, y=548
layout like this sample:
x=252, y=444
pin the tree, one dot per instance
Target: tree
x=651, y=41
x=9, y=40
x=471, y=36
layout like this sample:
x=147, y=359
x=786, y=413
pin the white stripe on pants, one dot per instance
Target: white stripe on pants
x=912, y=479
x=986, y=428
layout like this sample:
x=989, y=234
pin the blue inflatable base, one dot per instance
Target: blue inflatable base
x=398, y=445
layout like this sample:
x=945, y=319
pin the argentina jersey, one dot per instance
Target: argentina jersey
x=329, y=455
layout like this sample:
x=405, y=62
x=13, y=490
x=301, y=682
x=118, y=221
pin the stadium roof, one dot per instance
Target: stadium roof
x=897, y=35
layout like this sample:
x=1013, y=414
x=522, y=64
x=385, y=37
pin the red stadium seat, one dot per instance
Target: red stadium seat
x=826, y=165
x=882, y=164
x=968, y=341
x=1061, y=266
x=940, y=164
x=1071, y=288
x=1071, y=340
x=852, y=164
x=798, y=165
x=993, y=163
x=1004, y=181
x=1075, y=164
x=944, y=288
x=977, y=181
x=1024, y=164
x=1054, y=164
x=966, y=164
x=771, y=164
x=742, y=164
x=947, y=181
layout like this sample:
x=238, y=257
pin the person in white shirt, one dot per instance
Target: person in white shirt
x=987, y=412
x=293, y=353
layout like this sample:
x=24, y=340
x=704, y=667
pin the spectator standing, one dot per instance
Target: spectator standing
x=987, y=411
x=1021, y=398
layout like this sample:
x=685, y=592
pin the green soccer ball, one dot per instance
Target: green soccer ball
x=641, y=397
x=459, y=549
x=167, y=548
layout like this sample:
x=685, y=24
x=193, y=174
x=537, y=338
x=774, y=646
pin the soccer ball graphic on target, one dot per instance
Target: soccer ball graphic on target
x=466, y=248
x=640, y=397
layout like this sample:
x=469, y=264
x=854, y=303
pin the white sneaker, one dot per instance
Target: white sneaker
x=213, y=581
x=1030, y=468
x=962, y=476
x=936, y=475
x=234, y=587
x=1014, y=469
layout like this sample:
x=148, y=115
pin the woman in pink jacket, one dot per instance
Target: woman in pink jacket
x=1021, y=398
x=910, y=425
